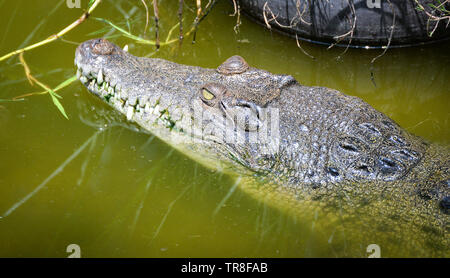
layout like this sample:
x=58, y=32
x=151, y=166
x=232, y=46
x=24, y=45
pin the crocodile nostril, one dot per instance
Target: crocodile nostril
x=102, y=47
x=444, y=204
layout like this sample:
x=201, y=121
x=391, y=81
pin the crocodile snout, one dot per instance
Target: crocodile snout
x=95, y=50
x=102, y=47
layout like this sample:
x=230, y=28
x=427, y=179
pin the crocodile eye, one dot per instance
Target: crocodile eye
x=207, y=94
x=211, y=93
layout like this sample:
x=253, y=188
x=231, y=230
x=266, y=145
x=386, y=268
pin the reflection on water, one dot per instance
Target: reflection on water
x=101, y=183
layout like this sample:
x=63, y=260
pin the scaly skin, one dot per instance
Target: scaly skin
x=326, y=150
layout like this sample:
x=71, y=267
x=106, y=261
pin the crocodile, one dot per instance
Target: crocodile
x=311, y=145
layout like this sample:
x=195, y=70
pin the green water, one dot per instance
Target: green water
x=94, y=181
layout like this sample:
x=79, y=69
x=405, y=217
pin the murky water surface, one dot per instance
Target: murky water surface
x=94, y=181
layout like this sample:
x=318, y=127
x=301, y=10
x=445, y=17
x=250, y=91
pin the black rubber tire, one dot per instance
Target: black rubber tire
x=323, y=21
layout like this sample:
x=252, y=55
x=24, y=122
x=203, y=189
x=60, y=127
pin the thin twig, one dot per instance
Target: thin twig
x=235, y=8
x=300, y=14
x=55, y=36
x=146, y=16
x=237, y=11
x=57, y=88
x=349, y=33
x=169, y=35
x=274, y=18
x=197, y=18
x=180, y=18
x=432, y=17
x=30, y=77
x=299, y=46
x=156, y=11
x=208, y=9
x=52, y=93
x=391, y=34
x=27, y=69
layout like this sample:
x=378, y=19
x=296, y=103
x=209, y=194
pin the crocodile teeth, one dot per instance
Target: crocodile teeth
x=125, y=48
x=100, y=77
x=113, y=83
x=130, y=112
x=83, y=79
x=157, y=108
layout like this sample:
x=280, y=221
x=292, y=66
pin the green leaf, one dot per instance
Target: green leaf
x=58, y=104
x=124, y=32
x=55, y=96
x=65, y=83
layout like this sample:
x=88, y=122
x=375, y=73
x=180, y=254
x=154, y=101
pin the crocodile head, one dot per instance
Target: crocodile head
x=210, y=114
x=248, y=120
